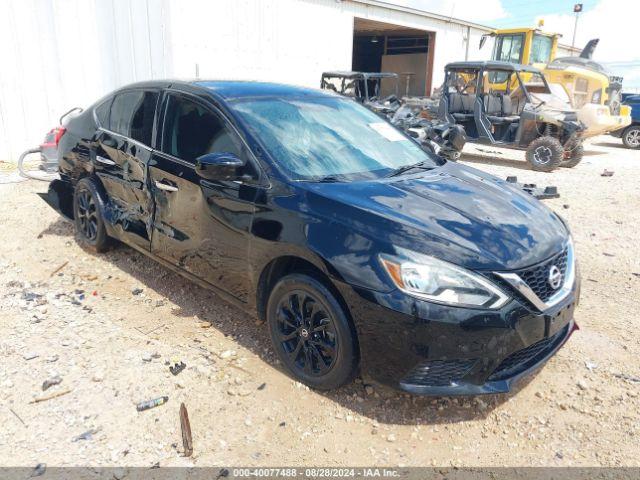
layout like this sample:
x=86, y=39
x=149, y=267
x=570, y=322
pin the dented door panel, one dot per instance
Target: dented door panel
x=121, y=165
x=202, y=227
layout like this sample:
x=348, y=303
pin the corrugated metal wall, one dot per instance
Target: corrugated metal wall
x=57, y=54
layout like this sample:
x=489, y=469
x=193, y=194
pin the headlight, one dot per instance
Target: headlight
x=431, y=279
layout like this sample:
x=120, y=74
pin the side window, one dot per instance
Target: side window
x=509, y=48
x=102, y=113
x=143, y=116
x=191, y=130
x=132, y=114
x=122, y=111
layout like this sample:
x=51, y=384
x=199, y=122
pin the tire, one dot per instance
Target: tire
x=631, y=137
x=88, y=217
x=453, y=156
x=545, y=154
x=574, y=157
x=311, y=333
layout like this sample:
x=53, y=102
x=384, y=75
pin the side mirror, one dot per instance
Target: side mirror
x=483, y=40
x=218, y=166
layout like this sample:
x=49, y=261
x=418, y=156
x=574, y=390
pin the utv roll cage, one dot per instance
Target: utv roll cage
x=363, y=86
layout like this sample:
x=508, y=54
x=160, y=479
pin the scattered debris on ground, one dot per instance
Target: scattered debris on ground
x=147, y=404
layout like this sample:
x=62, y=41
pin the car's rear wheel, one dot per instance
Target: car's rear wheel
x=631, y=136
x=311, y=332
x=544, y=154
x=88, y=220
x=573, y=157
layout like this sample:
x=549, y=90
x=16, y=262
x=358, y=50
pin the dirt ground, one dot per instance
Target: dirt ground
x=106, y=325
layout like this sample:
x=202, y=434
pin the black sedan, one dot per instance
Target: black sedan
x=361, y=250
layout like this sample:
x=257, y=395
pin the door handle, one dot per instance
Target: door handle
x=166, y=187
x=104, y=160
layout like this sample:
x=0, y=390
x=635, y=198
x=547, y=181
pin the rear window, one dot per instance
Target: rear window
x=102, y=113
x=132, y=114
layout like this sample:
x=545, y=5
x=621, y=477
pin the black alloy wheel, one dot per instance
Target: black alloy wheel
x=307, y=333
x=88, y=218
x=87, y=215
x=311, y=332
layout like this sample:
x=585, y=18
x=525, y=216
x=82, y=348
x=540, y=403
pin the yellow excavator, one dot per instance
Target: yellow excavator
x=592, y=91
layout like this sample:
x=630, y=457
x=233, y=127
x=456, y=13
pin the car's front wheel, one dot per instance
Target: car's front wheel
x=631, y=137
x=88, y=219
x=311, y=332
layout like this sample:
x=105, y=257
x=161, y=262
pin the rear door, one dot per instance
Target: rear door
x=201, y=226
x=123, y=152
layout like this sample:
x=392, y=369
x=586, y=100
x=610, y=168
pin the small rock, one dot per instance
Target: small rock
x=227, y=354
x=391, y=438
x=590, y=366
x=50, y=382
x=248, y=422
x=147, y=357
x=30, y=356
x=88, y=435
x=582, y=385
x=368, y=390
x=136, y=291
x=51, y=358
x=97, y=377
x=39, y=470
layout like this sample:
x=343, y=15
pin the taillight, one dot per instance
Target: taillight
x=59, y=132
x=52, y=138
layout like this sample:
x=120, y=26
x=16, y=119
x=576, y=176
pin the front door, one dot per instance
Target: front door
x=201, y=226
x=122, y=155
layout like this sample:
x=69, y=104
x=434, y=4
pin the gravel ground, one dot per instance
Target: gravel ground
x=105, y=326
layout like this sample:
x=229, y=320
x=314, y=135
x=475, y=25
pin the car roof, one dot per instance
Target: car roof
x=491, y=65
x=351, y=74
x=234, y=89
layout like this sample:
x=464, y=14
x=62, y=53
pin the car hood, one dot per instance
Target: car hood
x=453, y=212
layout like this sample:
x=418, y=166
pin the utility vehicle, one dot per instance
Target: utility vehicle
x=497, y=104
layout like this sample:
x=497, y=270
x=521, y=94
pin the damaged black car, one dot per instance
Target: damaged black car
x=363, y=252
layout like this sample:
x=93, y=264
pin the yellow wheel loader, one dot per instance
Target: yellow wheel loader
x=592, y=91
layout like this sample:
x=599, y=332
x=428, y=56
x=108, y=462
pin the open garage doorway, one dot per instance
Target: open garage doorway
x=385, y=47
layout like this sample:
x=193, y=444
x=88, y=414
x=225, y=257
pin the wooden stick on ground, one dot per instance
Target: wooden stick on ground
x=187, y=441
x=59, y=268
x=49, y=397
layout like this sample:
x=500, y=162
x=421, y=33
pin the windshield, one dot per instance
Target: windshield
x=324, y=137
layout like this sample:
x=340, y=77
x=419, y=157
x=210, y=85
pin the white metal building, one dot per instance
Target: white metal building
x=57, y=54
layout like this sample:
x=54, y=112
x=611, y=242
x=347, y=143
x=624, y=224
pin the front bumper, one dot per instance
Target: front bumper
x=430, y=349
